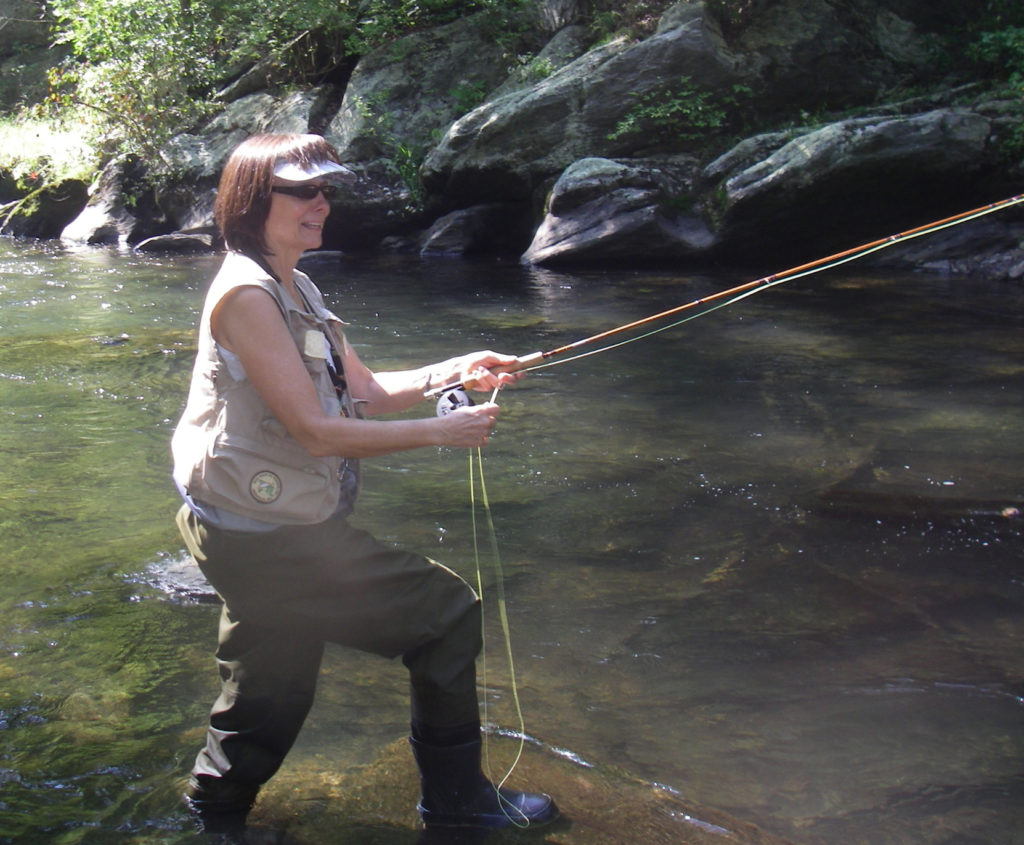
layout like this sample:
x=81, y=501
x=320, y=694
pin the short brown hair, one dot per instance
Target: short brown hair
x=243, y=196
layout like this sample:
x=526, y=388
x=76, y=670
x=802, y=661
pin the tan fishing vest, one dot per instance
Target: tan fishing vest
x=229, y=450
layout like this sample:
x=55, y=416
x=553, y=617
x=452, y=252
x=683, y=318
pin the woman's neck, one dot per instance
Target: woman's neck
x=283, y=272
x=282, y=267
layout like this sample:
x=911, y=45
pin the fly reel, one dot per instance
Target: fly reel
x=452, y=399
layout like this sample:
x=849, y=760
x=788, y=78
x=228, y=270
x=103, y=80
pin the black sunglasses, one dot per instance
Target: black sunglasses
x=307, y=192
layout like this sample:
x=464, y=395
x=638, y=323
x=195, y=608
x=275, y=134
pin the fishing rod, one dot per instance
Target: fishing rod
x=451, y=395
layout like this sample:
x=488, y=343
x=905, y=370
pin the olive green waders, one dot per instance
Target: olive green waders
x=289, y=591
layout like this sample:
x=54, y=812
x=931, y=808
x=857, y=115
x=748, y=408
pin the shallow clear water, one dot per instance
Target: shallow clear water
x=767, y=559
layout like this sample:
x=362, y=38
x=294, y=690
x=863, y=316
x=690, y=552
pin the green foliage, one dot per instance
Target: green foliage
x=984, y=41
x=530, y=68
x=136, y=65
x=996, y=14
x=405, y=163
x=678, y=114
x=733, y=15
x=379, y=121
x=612, y=18
x=1001, y=53
x=468, y=95
x=378, y=21
x=402, y=159
x=147, y=69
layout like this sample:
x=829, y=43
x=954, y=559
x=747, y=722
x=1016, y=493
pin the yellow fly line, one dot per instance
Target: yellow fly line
x=499, y=581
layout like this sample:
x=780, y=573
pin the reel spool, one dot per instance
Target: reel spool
x=452, y=399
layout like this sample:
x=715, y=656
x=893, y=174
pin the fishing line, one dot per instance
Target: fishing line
x=790, y=275
x=629, y=340
x=539, y=360
x=506, y=629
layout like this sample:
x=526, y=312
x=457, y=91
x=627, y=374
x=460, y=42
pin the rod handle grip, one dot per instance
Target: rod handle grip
x=522, y=362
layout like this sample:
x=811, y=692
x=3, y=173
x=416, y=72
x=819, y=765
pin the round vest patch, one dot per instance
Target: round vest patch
x=265, y=487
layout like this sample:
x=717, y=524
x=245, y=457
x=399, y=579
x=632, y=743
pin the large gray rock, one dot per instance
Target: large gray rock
x=377, y=205
x=941, y=141
x=178, y=243
x=564, y=47
x=850, y=179
x=506, y=148
x=126, y=208
x=609, y=211
x=121, y=210
x=202, y=154
x=794, y=54
x=399, y=99
x=772, y=194
x=402, y=94
x=494, y=229
x=43, y=213
x=990, y=248
x=807, y=54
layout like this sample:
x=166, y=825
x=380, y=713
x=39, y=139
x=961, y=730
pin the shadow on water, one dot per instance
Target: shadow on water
x=763, y=571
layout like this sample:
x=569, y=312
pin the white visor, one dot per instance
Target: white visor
x=331, y=170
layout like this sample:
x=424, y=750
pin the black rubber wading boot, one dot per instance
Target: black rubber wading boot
x=456, y=793
x=219, y=807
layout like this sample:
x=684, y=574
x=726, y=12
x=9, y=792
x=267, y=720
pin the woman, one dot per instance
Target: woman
x=266, y=456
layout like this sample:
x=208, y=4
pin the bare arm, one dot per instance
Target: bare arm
x=249, y=323
x=388, y=392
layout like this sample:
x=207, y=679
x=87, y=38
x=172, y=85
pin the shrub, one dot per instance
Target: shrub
x=678, y=115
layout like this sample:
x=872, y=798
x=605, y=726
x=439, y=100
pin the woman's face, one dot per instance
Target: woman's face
x=295, y=224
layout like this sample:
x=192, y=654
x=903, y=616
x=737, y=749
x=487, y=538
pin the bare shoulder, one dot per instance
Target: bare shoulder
x=247, y=309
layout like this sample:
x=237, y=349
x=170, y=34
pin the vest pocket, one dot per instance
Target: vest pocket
x=269, y=481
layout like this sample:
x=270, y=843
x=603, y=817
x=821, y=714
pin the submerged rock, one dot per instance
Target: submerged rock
x=600, y=805
x=177, y=577
x=179, y=243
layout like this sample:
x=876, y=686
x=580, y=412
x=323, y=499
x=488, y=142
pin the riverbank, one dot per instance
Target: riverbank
x=695, y=140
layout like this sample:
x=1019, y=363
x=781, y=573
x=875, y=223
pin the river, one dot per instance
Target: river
x=767, y=564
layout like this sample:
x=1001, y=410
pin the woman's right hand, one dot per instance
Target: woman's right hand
x=469, y=426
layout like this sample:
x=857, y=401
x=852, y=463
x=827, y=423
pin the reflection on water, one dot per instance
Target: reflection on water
x=767, y=564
